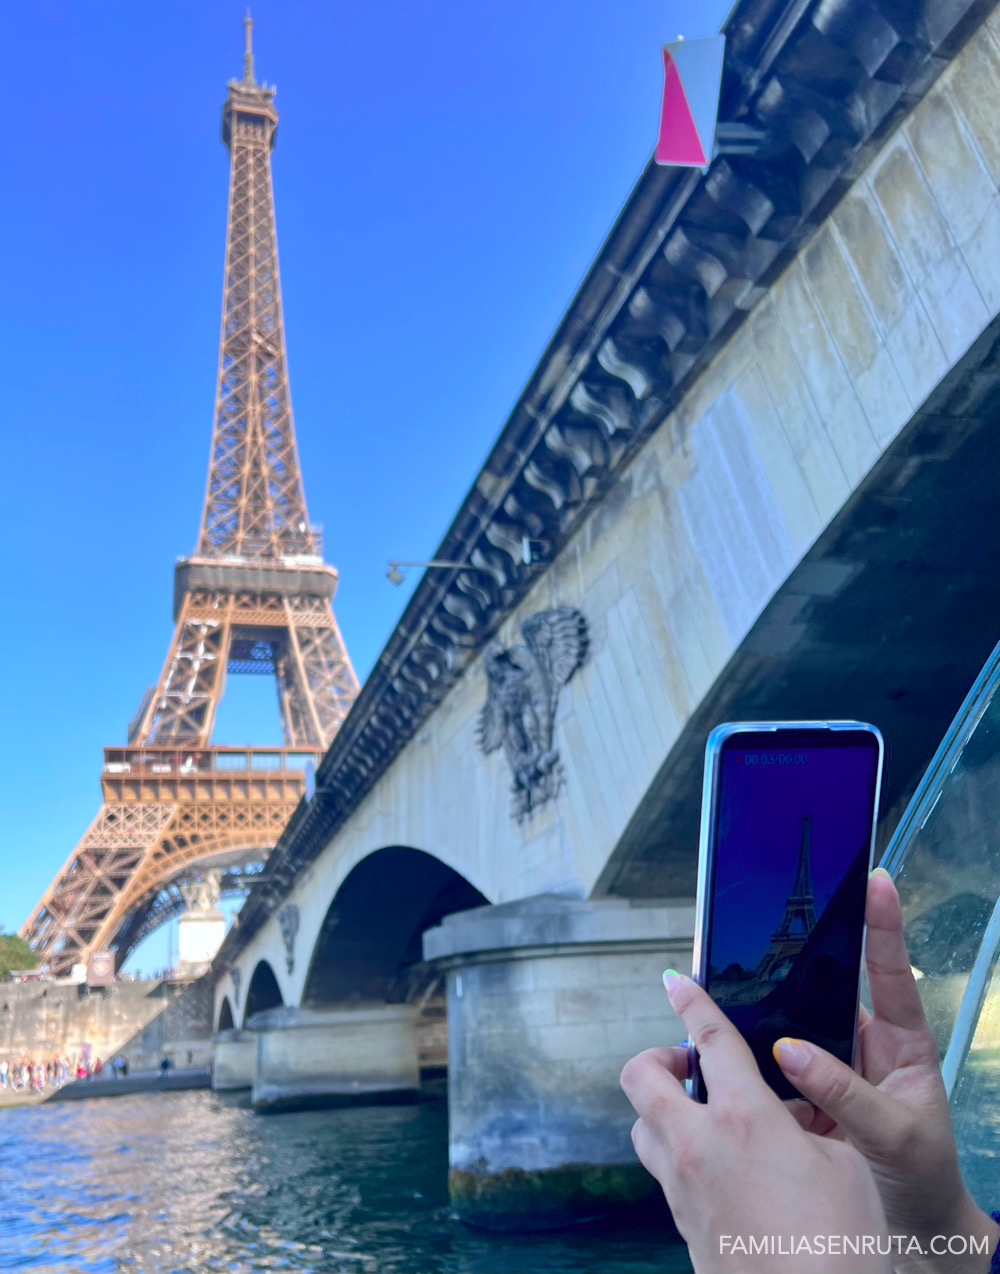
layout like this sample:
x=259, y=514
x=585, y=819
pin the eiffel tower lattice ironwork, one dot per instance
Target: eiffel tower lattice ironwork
x=799, y=919
x=255, y=597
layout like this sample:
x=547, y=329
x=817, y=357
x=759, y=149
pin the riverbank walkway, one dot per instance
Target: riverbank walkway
x=138, y=1082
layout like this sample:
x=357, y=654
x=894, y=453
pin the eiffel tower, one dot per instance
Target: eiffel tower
x=254, y=597
x=799, y=919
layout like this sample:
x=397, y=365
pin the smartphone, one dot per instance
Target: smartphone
x=787, y=833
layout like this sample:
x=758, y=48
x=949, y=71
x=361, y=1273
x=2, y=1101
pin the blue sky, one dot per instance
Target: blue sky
x=444, y=175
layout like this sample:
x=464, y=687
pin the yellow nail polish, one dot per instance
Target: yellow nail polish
x=791, y=1054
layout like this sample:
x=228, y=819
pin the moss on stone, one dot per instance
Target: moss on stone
x=552, y=1198
x=334, y=1101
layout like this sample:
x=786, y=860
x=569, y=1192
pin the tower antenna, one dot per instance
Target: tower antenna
x=248, y=54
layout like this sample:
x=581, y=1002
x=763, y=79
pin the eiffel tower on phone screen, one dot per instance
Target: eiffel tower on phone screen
x=798, y=921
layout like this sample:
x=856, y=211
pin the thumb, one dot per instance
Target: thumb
x=867, y=1117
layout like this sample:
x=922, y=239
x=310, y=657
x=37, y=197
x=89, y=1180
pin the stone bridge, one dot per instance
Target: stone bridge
x=759, y=458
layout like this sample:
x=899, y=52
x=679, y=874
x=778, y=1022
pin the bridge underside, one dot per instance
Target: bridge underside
x=370, y=943
x=238, y=871
x=888, y=619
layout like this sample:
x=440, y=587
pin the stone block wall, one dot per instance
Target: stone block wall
x=144, y=1020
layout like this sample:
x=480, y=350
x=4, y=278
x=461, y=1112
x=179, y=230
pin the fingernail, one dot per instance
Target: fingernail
x=671, y=980
x=881, y=871
x=792, y=1055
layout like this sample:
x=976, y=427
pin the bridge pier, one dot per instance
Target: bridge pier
x=340, y=1055
x=547, y=999
x=232, y=1059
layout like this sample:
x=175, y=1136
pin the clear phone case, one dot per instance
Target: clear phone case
x=706, y=844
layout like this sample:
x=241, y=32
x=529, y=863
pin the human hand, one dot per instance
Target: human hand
x=740, y=1166
x=895, y=1112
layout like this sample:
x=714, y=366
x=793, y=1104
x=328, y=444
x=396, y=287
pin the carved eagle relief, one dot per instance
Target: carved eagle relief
x=523, y=684
x=288, y=920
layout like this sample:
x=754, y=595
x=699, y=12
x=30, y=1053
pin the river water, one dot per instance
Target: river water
x=192, y=1182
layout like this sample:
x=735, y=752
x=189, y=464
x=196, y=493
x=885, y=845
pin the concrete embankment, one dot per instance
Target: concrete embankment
x=145, y=1082
x=18, y=1097
x=84, y=1089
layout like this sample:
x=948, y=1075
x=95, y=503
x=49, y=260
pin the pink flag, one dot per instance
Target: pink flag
x=692, y=75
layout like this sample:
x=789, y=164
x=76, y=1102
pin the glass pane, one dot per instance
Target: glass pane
x=976, y=1104
x=298, y=760
x=265, y=761
x=945, y=855
x=231, y=761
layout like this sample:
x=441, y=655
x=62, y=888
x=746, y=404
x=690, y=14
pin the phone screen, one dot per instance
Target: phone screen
x=794, y=811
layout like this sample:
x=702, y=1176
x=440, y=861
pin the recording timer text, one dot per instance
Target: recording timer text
x=772, y=758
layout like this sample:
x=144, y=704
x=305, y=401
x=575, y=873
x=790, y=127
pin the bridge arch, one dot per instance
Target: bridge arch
x=227, y=1021
x=263, y=992
x=368, y=946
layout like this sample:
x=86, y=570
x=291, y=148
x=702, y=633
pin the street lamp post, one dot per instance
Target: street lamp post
x=396, y=568
x=531, y=551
